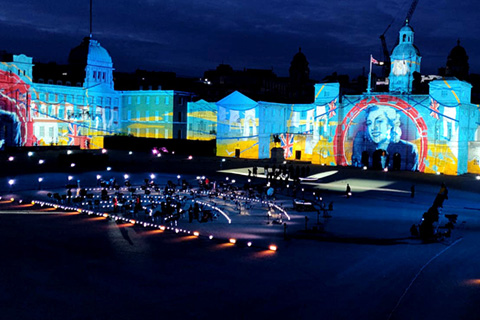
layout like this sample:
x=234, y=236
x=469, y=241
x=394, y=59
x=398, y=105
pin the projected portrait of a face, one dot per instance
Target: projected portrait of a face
x=379, y=142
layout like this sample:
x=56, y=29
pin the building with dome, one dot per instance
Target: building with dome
x=405, y=60
x=457, y=63
x=77, y=104
x=437, y=132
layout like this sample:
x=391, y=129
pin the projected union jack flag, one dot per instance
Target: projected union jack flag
x=287, y=141
x=73, y=134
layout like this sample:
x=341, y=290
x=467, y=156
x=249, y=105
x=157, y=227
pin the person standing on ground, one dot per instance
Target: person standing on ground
x=348, y=191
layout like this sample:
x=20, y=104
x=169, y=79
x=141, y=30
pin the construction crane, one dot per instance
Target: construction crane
x=386, y=53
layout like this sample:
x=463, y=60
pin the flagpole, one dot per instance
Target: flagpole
x=369, y=87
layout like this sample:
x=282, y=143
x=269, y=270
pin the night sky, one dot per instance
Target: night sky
x=189, y=37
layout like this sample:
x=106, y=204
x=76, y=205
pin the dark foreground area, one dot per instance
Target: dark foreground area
x=66, y=265
x=72, y=266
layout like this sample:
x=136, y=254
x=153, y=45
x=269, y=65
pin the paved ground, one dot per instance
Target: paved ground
x=363, y=266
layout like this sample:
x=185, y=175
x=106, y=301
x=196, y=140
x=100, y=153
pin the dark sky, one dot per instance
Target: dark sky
x=191, y=36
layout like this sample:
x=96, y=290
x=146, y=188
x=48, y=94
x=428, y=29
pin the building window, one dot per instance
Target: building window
x=166, y=117
x=129, y=114
x=138, y=116
x=42, y=131
x=157, y=116
x=129, y=101
x=148, y=100
x=138, y=100
x=156, y=133
x=138, y=132
x=129, y=131
x=166, y=100
x=147, y=115
x=157, y=100
x=146, y=133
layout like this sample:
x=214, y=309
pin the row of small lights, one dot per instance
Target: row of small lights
x=109, y=205
x=141, y=223
x=158, y=154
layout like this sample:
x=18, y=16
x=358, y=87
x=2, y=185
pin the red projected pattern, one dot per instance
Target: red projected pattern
x=412, y=113
x=14, y=99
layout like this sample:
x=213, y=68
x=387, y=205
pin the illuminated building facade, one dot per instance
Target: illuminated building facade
x=438, y=132
x=82, y=107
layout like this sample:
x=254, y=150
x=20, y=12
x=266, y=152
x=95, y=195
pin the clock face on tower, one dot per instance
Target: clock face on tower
x=400, y=67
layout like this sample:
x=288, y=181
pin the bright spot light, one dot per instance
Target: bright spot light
x=152, y=176
x=385, y=169
x=12, y=199
x=210, y=237
x=132, y=221
x=364, y=167
x=226, y=178
x=159, y=155
x=104, y=150
x=203, y=177
x=99, y=176
x=72, y=165
x=70, y=178
x=109, y=168
x=249, y=244
x=249, y=180
x=190, y=157
x=178, y=177
x=11, y=158
x=196, y=233
x=69, y=151
x=130, y=152
x=126, y=176
x=273, y=247
x=11, y=182
x=41, y=161
x=40, y=179
x=232, y=241
x=30, y=153
x=438, y=172
x=223, y=160
x=477, y=177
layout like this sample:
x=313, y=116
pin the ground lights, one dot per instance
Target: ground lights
x=177, y=230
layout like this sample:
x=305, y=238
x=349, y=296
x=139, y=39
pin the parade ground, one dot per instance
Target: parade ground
x=90, y=241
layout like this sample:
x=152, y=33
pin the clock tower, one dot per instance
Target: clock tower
x=405, y=61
